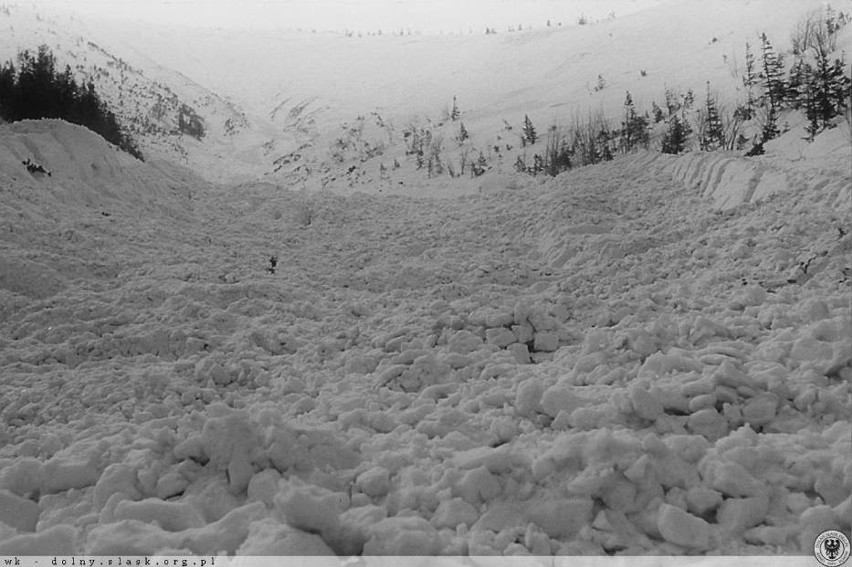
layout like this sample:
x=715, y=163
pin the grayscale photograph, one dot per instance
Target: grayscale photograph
x=446, y=279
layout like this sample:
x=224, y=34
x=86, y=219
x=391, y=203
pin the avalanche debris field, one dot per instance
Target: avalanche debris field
x=601, y=363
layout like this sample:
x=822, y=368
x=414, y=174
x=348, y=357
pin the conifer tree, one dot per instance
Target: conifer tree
x=676, y=135
x=658, y=113
x=749, y=80
x=713, y=134
x=463, y=133
x=634, y=128
x=455, y=114
x=530, y=135
x=772, y=75
x=672, y=102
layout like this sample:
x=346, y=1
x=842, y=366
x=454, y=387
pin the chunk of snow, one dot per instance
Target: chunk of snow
x=64, y=472
x=561, y=397
x=402, y=536
x=736, y=515
x=561, y=518
x=56, y=540
x=228, y=442
x=171, y=516
x=305, y=511
x=22, y=476
x=701, y=499
x=268, y=537
x=454, y=512
x=730, y=478
x=374, y=482
x=709, y=423
x=170, y=484
x=760, y=410
x=682, y=528
x=130, y=537
x=545, y=341
x=521, y=352
x=264, y=486
x=18, y=512
x=478, y=485
x=500, y=337
x=117, y=477
x=646, y=405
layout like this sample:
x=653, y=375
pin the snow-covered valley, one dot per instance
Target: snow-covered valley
x=649, y=356
x=603, y=362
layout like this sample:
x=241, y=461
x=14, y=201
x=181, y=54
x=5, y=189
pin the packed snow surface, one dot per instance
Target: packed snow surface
x=609, y=361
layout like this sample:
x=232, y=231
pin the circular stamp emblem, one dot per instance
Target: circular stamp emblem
x=831, y=548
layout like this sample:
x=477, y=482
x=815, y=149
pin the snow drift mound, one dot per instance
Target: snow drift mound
x=65, y=194
x=79, y=167
x=728, y=180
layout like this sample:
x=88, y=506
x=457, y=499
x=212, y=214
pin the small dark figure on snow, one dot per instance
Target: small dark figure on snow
x=273, y=261
x=33, y=167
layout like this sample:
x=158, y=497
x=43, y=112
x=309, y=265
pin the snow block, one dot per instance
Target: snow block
x=500, y=337
x=646, y=405
x=117, y=477
x=454, y=512
x=374, y=482
x=305, y=511
x=736, y=515
x=227, y=534
x=17, y=512
x=561, y=398
x=22, y=477
x=57, y=540
x=562, y=517
x=228, y=442
x=170, y=516
x=521, y=352
x=709, y=423
x=700, y=499
x=496, y=319
x=403, y=536
x=682, y=528
x=64, y=472
x=545, y=341
x=730, y=478
x=268, y=537
x=170, y=484
x=263, y=487
x=130, y=537
x=528, y=398
x=760, y=410
x=478, y=485
x=464, y=342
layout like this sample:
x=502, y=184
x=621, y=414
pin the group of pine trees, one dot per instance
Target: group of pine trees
x=817, y=84
x=37, y=89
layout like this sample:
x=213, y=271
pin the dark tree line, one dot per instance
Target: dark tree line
x=36, y=89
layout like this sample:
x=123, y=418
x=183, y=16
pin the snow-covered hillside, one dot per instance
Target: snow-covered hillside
x=171, y=116
x=649, y=356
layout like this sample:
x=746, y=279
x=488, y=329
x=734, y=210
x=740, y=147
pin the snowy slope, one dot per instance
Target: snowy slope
x=293, y=95
x=147, y=97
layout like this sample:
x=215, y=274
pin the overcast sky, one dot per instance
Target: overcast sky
x=361, y=15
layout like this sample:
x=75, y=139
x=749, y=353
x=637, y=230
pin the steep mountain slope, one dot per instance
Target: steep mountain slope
x=350, y=101
x=279, y=102
x=169, y=115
